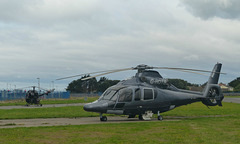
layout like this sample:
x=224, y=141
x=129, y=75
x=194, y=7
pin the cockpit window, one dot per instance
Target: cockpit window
x=114, y=98
x=125, y=95
x=108, y=94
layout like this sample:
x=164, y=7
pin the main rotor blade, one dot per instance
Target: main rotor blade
x=185, y=69
x=194, y=72
x=113, y=71
x=144, y=67
x=84, y=74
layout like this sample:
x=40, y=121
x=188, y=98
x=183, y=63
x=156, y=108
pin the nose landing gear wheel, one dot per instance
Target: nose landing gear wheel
x=103, y=118
x=159, y=116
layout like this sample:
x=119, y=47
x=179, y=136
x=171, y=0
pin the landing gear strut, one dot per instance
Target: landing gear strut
x=159, y=116
x=103, y=118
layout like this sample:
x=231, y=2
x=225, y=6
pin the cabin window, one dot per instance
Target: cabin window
x=148, y=94
x=125, y=95
x=137, y=95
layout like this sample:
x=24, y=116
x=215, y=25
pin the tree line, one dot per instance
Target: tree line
x=94, y=86
x=235, y=84
x=91, y=85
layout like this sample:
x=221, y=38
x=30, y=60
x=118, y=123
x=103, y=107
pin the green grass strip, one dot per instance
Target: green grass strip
x=199, y=130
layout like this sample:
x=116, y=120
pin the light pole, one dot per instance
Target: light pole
x=52, y=88
x=38, y=84
x=52, y=84
x=15, y=91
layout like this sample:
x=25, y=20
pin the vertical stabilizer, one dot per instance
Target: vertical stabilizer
x=213, y=79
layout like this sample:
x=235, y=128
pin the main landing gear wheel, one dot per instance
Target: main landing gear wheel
x=103, y=118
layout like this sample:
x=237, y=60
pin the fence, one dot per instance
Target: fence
x=12, y=95
x=231, y=93
x=85, y=94
x=56, y=95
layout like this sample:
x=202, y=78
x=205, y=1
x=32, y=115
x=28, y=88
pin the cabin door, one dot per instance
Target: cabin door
x=125, y=96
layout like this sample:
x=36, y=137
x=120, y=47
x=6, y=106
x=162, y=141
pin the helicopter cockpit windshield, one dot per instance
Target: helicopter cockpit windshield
x=109, y=95
x=123, y=95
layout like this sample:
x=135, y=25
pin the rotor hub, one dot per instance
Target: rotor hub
x=142, y=67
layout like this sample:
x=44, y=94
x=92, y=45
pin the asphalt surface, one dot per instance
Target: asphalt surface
x=68, y=121
x=232, y=100
x=14, y=123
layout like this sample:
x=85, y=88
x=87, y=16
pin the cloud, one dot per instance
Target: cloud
x=205, y=9
x=35, y=11
x=58, y=38
x=191, y=58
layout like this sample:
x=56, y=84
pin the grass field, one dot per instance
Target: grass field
x=222, y=127
x=198, y=130
x=54, y=112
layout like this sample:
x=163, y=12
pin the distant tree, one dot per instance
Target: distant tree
x=74, y=86
x=91, y=85
x=234, y=83
x=237, y=88
x=179, y=83
x=105, y=83
x=80, y=86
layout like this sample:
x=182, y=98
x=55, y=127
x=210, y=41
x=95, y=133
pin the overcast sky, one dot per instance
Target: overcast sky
x=50, y=39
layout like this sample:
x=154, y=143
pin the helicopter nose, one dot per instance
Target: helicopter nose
x=96, y=107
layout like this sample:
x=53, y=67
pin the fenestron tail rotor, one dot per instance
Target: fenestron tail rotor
x=139, y=68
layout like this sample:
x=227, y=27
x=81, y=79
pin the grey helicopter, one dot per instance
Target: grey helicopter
x=33, y=96
x=148, y=93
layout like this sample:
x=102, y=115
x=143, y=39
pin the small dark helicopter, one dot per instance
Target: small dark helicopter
x=148, y=93
x=33, y=97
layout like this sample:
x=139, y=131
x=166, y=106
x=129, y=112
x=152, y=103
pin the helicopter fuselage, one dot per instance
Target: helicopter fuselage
x=135, y=97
